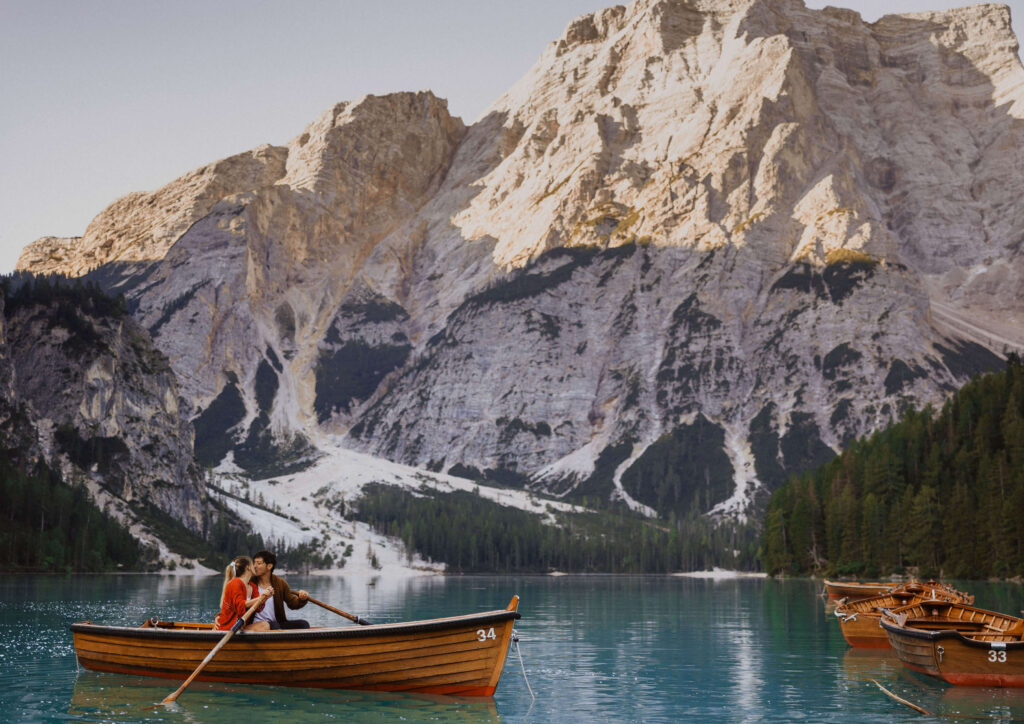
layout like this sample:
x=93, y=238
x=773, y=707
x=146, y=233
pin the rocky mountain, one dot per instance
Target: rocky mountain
x=698, y=246
x=17, y=433
x=86, y=391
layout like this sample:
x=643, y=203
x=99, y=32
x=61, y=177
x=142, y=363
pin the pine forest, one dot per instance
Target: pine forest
x=941, y=493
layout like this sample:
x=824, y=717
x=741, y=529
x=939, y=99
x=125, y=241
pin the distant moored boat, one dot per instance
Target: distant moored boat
x=853, y=590
x=457, y=656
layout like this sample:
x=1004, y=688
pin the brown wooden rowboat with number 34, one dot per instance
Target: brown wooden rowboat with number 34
x=457, y=656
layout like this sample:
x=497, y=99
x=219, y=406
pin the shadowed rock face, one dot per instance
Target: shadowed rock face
x=86, y=390
x=773, y=226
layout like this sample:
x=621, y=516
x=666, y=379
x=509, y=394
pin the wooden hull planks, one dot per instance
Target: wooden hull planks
x=858, y=620
x=457, y=656
x=957, y=643
x=952, y=657
x=864, y=633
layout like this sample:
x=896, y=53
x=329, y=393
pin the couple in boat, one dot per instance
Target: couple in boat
x=249, y=581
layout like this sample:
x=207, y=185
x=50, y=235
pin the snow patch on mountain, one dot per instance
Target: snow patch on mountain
x=737, y=447
x=720, y=574
x=620, y=492
x=577, y=464
x=309, y=507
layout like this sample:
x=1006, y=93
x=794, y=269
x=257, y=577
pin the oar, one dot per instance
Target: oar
x=209, y=657
x=349, y=616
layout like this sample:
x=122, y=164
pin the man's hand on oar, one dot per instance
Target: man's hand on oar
x=349, y=616
x=239, y=625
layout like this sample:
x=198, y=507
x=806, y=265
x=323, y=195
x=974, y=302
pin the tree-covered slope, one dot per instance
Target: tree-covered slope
x=96, y=464
x=103, y=399
x=941, y=492
x=471, y=534
x=49, y=525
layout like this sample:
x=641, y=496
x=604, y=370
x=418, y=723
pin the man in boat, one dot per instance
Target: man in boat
x=273, y=612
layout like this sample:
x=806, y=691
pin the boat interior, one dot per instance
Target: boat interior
x=875, y=604
x=177, y=625
x=974, y=623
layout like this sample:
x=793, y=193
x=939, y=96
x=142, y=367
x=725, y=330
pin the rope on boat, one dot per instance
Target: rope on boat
x=515, y=640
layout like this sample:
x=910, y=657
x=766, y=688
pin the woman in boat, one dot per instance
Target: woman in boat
x=238, y=593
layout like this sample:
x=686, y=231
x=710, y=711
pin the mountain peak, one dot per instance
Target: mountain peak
x=591, y=28
x=345, y=130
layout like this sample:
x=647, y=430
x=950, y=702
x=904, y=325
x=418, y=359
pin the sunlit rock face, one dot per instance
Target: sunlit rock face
x=141, y=227
x=698, y=246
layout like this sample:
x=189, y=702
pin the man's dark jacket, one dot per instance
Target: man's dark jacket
x=283, y=594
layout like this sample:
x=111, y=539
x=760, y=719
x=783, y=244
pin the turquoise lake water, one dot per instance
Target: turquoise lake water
x=595, y=649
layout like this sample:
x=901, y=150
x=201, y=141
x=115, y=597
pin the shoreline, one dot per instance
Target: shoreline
x=341, y=572
x=714, y=574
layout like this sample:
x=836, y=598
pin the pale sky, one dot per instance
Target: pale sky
x=101, y=98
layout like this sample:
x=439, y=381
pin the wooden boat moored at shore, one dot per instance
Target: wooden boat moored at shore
x=958, y=643
x=853, y=590
x=456, y=656
x=859, y=620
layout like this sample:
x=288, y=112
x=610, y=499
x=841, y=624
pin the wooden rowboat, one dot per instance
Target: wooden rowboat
x=853, y=591
x=958, y=643
x=456, y=656
x=859, y=620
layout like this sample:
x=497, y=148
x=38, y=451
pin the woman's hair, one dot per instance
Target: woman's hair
x=235, y=568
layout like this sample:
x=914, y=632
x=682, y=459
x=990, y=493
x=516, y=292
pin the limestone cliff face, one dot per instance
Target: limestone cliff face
x=801, y=233
x=142, y=226
x=763, y=124
x=102, y=402
x=721, y=238
x=17, y=432
x=242, y=303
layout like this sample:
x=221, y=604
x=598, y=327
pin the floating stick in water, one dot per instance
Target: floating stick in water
x=915, y=707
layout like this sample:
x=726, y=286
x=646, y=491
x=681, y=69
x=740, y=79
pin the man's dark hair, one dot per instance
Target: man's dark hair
x=269, y=558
